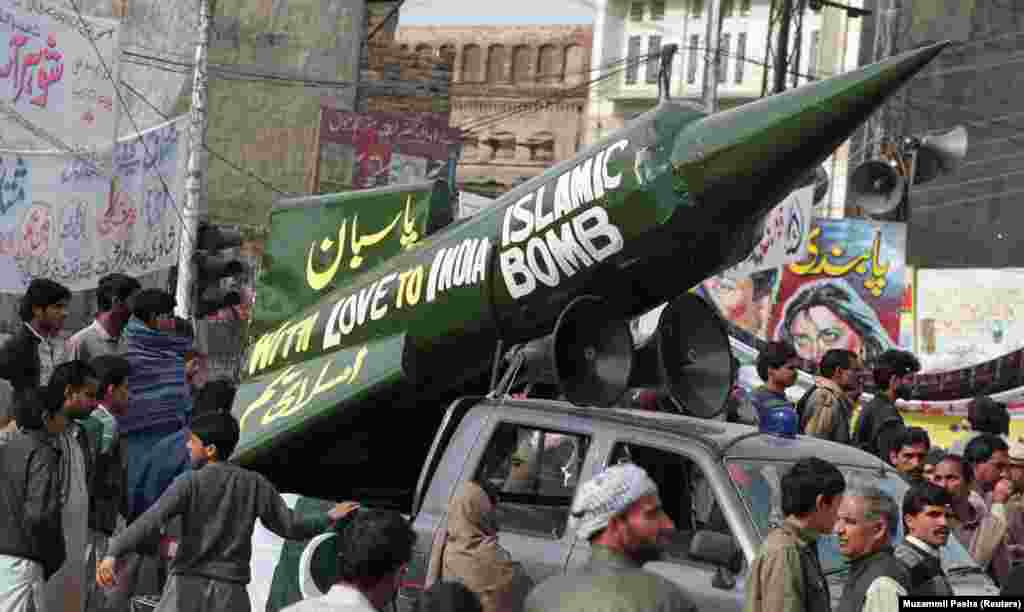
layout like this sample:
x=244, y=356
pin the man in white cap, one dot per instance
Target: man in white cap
x=620, y=514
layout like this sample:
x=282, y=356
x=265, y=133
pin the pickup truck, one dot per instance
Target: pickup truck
x=719, y=482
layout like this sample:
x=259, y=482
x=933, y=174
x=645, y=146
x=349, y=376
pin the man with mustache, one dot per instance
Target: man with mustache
x=925, y=519
x=826, y=409
x=619, y=512
x=987, y=459
x=893, y=374
x=980, y=529
x=907, y=452
x=866, y=519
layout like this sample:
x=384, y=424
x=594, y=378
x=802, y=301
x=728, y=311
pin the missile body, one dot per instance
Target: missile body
x=637, y=219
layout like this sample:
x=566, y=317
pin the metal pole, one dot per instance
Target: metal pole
x=782, y=50
x=713, y=56
x=194, y=201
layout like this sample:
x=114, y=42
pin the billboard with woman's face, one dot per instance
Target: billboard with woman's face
x=844, y=293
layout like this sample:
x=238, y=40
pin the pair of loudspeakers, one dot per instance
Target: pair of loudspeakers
x=592, y=359
x=878, y=188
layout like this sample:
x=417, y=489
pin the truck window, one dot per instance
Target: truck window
x=685, y=492
x=533, y=473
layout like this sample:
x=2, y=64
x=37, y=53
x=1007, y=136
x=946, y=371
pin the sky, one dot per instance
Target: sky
x=495, y=12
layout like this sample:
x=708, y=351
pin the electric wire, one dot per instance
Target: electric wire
x=135, y=126
x=217, y=155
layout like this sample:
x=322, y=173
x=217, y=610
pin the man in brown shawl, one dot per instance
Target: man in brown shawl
x=470, y=553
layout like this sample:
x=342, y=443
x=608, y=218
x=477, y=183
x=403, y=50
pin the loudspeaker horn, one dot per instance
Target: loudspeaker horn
x=694, y=356
x=593, y=353
x=876, y=187
x=940, y=154
x=589, y=356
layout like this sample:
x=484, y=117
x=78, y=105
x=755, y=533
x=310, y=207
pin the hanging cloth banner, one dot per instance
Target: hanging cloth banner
x=52, y=76
x=60, y=219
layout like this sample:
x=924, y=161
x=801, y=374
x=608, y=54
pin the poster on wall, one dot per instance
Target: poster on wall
x=53, y=73
x=61, y=219
x=385, y=148
x=845, y=292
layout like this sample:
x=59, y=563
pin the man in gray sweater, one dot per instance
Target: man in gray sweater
x=219, y=505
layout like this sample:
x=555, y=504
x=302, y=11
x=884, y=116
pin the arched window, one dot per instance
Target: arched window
x=424, y=49
x=548, y=68
x=472, y=65
x=470, y=148
x=496, y=60
x=521, y=61
x=446, y=50
x=503, y=144
x=576, y=65
x=405, y=48
x=541, y=146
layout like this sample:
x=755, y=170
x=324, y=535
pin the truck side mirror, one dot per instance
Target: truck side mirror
x=716, y=548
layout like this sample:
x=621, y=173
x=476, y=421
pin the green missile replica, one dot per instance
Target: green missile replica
x=362, y=376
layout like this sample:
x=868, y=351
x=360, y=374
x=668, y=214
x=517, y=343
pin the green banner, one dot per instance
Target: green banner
x=281, y=403
x=320, y=243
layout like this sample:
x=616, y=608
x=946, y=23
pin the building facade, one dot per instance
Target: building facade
x=518, y=92
x=627, y=31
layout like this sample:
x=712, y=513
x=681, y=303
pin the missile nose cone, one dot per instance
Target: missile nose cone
x=756, y=153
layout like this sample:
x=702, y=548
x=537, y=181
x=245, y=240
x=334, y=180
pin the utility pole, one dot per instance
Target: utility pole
x=782, y=48
x=195, y=181
x=713, y=55
x=874, y=129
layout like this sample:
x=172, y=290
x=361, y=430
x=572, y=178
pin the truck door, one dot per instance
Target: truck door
x=690, y=500
x=533, y=470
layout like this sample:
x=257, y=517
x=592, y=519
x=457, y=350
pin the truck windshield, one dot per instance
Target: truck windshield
x=758, y=485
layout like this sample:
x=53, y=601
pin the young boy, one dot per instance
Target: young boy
x=218, y=503
x=106, y=482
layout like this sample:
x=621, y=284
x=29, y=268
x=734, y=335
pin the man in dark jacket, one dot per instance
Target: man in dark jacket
x=776, y=366
x=866, y=520
x=27, y=359
x=893, y=375
x=31, y=536
x=925, y=510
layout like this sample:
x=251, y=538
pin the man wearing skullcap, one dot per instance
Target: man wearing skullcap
x=620, y=514
x=786, y=575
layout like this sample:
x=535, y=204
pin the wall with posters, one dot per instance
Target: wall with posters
x=51, y=75
x=365, y=150
x=62, y=220
x=845, y=292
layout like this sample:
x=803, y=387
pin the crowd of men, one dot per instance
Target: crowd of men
x=113, y=454
x=973, y=491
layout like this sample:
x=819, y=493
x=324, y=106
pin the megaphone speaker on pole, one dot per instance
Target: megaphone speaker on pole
x=940, y=154
x=877, y=187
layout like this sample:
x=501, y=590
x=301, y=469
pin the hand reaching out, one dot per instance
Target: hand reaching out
x=342, y=510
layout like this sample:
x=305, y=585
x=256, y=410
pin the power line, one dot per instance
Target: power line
x=394, y=11
x=479, y=122
x=124, y=106
x=217, y=155
x=535, y=106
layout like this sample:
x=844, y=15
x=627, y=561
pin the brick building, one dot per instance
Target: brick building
x=500, y=71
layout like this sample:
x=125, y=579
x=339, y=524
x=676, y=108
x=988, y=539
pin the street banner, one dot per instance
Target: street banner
x=52, y=75
x=319, y=243
x=61, y=219
x=845, y=292
x=386, y=148
x=784, y=238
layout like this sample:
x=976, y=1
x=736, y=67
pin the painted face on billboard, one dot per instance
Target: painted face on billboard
x=817, y=330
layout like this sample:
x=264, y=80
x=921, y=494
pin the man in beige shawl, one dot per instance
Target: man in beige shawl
x=468, y=552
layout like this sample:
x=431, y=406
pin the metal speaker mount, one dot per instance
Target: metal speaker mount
x=876, y=187
x=694, y=356
x=940, y=154
x=593, y=353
